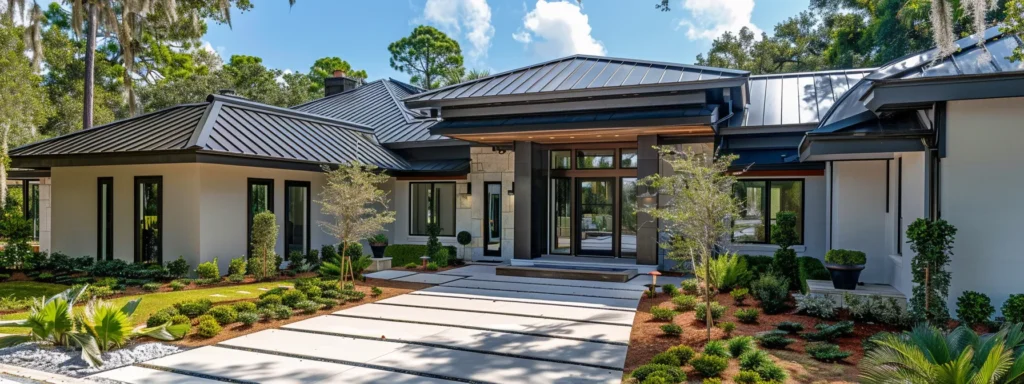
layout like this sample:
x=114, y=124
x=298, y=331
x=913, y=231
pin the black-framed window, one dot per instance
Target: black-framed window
x=260, y=198
x=595, y=159
x=105, y=218
x=561, y=159
x=761, y=201
x=627, y=158
x=899, y=206
x=431, y=203
x=296, y=216
x=149, y=219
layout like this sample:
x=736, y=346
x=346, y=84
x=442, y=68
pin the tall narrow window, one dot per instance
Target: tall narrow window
x=899, y=206
x=33, y=207
x=105, y=218
x=627, y=218
x=296, y=216
x=492, y=221
x=149, y=212
x=431, y=203
x=261, y=199
x=561, y=215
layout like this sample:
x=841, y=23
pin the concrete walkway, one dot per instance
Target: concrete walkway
x=473, y=326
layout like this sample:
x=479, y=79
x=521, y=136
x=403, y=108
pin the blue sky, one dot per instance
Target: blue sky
x=494, y=35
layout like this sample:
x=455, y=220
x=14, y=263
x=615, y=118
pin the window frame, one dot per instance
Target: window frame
x=250, y=182
x=431, y=183
x=108, y=209
x=309, y=214
x=768, y=209
x=577, y=156
x=159, y=181
x=636, y=158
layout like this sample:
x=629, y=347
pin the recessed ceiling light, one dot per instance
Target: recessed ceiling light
x=616, y=135
x=572, y=137
x=529, y=137
x=552, y=137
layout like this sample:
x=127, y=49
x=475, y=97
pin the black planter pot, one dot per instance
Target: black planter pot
x=378, y=250
x=845, y=276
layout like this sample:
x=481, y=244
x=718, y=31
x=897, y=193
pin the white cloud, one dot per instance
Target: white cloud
x=710, y=18
x=471, y=16
x=558, y=28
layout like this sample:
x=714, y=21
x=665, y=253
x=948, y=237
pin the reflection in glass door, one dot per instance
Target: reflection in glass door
x=596, y=202
x=561, y=216
x=627, y=218
x=492, y=223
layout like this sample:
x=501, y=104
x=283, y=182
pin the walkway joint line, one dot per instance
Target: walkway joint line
x=192, y=373
x=481, y=329
x=506, y=314
x=505, y=300
x=637, y=290
x=443, y=346
x=546, y=293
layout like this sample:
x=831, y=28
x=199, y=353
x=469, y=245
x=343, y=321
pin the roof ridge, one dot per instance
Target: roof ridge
x=401, y=107
x=245, y=103
x=474, y=81
x=805, y=73
x=335, y=94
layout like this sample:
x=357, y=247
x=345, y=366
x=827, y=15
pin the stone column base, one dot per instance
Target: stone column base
x=380, y=264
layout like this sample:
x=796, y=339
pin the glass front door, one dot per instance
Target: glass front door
x=596, y=216
x=492, y=224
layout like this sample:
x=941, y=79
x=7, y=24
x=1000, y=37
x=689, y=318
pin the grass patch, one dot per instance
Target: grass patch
x=153, y=302
x=27, y=289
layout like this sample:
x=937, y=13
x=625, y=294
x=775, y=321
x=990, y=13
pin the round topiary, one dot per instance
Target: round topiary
x=244, y=306
x=208, y=328
x=249, y=317
x=666, y=359
x=709, y=365
x=269, y=301
x=223, y=314
x=308, y=307
x=313, y=292
x=974, y=308
x=292, y=298
x=180, y=319
x=159, y=318
x=464, y=238
x=643, y=371
x=281, y=312
x=684, y=353
x=1013, y=308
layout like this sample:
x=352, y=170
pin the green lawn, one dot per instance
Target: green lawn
x=27, y=289
x=153, y=302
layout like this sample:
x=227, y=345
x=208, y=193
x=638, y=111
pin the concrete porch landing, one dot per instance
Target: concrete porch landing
x=825, y=288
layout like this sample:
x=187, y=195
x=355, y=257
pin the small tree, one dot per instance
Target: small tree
x=932, y=241
x=699, y=208
x=783, y=234
x=264, y=240
x=464, y=238
x=355, y=202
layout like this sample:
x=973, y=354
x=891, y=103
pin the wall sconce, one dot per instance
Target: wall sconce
x=465, y=189
x=512, y=192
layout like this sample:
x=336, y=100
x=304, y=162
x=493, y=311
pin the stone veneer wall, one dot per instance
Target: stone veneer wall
x=487, y=165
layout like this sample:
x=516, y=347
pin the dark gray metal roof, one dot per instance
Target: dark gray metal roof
x=230, y=126
x=796, y=98
x=377, y=104
x=692, y=115
x=577, y=72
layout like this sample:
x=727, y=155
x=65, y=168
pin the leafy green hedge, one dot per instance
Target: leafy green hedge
x=811, y=269
x=403, y=254
x=758, y=265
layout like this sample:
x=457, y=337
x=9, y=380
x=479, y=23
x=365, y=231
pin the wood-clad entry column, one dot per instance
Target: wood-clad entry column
x=530, y=200
x=647, y=227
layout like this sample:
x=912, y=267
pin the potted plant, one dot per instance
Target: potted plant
x=464, y=238
x=378, y=243
x=845, y=266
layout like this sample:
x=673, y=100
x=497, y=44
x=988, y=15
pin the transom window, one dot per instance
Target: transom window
x=761, y=201
x=595, y=159
x=569, y=159
x=431, y=203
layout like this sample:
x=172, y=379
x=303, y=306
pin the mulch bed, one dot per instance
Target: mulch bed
x=229, y=331
x=647, y=339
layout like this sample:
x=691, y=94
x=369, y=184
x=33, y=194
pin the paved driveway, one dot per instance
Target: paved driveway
x=473, y=326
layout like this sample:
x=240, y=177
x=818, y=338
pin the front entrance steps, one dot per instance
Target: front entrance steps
x=569, y=272
x=585, y=261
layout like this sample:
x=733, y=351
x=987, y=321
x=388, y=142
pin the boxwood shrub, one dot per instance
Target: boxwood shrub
x=1013, y=308
x=811, y=269
x=845, y=257
x=223, y=314
x=292, y=298
x=403, y=254
x=709, y=365
x=193, y=308
x=641, y=373
x=208, y=328
x=244, y=306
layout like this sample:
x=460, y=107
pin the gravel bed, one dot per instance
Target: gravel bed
x=69, y=361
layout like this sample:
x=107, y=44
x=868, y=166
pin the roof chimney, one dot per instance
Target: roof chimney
x=340, y=83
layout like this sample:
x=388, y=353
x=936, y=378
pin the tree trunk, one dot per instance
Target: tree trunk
x=3, y=168
x=90, y=69
x=707, y=294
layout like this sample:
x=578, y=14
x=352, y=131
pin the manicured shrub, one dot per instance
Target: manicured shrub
x=684, y=303
x=642, y=372
x=326, y=303
x=666, y=359
x=432, y=266
x=790, y=327
x=747, y=377
x=727, y=327
x=237, y=266
x=411, y=265
x=932, y=243
x=783, y=233
x=650, y=293
x=208, y=328
x=193, y=308
x=826, y=352
x=313, y=292
x=353, y=295
x=689, y=286
x=151, y=287
x=739, y=295
x=818, y=306
x=1013, y=308
x=161, y=317
x=292, y=298
x=700, y=311
x=280, y=312
x=177, y=285
x=827, y=332
x=236, y=278
x=663, y=314
x=672, y=329
x=747, y=315
x=375, y=291
x=740, y=345
x=885, y=310
x=974, y=308
x=709, y=365
x=244, y=306
x=269, y=301
x=684, y=353
x=774, y=339
x=406, y=254
x=330, y=294
x=772, y=292
x=772, y=373
x=313, y=257
x=308, y=307
x=754, y=359
x=180, y=319
x=845, y=257
x=178, y=268
x=811, y=269
x=223, y=314
x=295, y=259
x=669, y=289
x=716, y=348
x=248, y=317
x=208, y=270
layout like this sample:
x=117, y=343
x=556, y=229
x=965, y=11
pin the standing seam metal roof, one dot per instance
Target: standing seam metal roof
x=797, y=98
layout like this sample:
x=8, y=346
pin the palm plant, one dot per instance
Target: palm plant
x=101, y=328
x=927, y=355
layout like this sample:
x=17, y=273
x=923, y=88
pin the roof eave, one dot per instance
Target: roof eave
x=917, y=93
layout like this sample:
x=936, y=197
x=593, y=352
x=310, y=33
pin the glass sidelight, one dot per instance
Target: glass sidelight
x=296, y=216
x=628, y=218
x=561, y=215
x=149, y=210
x=492, y=223
x=596, y=225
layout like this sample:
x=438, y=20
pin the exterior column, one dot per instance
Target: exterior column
x=529, y=218
x=647, y=226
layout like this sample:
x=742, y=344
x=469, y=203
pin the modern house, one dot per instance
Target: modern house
x=540, y=164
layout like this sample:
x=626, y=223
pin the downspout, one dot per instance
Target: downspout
x=715, y=124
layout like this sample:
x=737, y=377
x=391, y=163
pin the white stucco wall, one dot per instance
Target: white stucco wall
x=859, y=218
x=980, y=179
x=814, y=222
x=912, y=207
x=399, y=234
